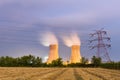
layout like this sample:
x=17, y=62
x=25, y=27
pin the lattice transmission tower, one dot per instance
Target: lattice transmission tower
x=100, y=41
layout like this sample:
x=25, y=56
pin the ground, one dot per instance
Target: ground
x=18, y=73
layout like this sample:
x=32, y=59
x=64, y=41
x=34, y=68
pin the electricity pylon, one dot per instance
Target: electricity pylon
x=100, y=40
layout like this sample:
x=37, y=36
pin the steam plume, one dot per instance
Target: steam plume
x=73, y=39
x=48, y=38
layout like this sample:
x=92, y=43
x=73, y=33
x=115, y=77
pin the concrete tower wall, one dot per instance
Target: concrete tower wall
x=75, y=54
x=53, y=53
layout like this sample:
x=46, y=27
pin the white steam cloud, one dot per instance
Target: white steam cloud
x=48, y=38
x=73, y=39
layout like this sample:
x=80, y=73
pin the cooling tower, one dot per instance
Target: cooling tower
x=75, y=54
x=53, y=53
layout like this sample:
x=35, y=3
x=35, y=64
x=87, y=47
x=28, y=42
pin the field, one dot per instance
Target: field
x=58, y=74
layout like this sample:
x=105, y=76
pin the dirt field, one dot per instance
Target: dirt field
x=58, y=74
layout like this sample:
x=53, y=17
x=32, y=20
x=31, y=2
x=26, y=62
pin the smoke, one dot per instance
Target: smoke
x=48, y=38
x=73, y=39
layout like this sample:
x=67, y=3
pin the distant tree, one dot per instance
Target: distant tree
x=57, y=63
x=84, y=60
x=96, y=61
x=111, y=65
x=2, y=61
x=28, y=60
x=37, y=62
x=7, y=61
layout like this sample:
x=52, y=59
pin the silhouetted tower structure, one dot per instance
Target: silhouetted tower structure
x=99, y=40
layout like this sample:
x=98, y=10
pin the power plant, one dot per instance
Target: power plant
x=72, y=41
x=53, y=53
x=75, y=54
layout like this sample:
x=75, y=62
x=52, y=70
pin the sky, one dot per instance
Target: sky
x=22, y=22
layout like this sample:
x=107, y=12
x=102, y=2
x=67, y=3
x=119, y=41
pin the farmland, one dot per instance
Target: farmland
x=24, y=73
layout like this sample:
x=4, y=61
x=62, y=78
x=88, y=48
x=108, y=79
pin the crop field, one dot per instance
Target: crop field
x=18, y=73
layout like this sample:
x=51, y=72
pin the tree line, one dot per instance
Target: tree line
x=32, y=61
x=24, y=61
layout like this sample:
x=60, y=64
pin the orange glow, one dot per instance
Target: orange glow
x=75, y=54
x=53, y=53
